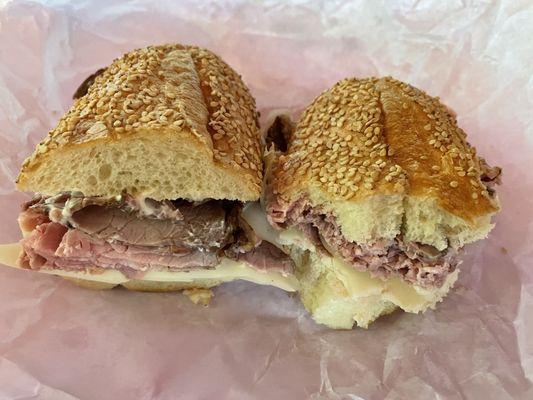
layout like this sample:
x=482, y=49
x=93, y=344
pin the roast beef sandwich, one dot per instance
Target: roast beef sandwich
x=375, y=194
x=143, y=181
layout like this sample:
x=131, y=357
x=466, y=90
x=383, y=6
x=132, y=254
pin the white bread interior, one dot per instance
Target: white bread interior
x=165, y=167
x=340, y=297
x=419, y=219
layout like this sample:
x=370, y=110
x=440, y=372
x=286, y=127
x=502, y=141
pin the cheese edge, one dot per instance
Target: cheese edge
x=228, y=270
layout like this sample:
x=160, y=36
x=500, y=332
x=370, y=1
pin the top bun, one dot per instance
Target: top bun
x=386, y=159
x=165, y=122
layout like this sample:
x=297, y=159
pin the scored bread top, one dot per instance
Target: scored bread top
x=368, y=137
x=339, y=144
x=433, y=150
x=171, y=94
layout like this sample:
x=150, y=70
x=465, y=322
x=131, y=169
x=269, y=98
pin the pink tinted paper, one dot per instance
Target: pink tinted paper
x=58, y=341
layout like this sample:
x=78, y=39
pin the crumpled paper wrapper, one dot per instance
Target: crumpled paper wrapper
x=58, y=341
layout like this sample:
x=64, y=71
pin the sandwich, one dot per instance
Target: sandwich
x=142, y=182
x=152, y=181
x=374, y=194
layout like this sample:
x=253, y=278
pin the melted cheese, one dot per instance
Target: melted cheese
x=359, y=284
x=256, y=218
x=410, y=298
x=227, y=270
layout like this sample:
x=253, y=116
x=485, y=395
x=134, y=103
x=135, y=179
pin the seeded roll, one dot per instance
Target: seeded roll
x=386, y=189
x=180, y=105
x=143, y=181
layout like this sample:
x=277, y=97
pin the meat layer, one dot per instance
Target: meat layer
x=415, y=263
x=72, y=232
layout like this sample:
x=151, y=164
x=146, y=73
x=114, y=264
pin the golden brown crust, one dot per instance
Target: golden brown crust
x=161, y=89
x=154, y=286
x=144, y=286
x=380, y=136
x=93, y=285
x=233, y=125
x=433, y=151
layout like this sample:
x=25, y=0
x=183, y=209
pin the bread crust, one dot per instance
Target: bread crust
x=380, y=136
x=144, y=286
x=152, y=93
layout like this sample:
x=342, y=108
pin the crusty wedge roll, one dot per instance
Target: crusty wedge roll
x=384, y=190
x=166, y=122
x=386, y=159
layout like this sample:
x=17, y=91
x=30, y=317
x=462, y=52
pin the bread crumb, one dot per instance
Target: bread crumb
x=199, y=296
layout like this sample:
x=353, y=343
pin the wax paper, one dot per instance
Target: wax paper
x=58, y=341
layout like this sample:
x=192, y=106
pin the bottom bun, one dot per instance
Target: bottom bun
x=197, y=292
x=339, y=296
x=145, y=286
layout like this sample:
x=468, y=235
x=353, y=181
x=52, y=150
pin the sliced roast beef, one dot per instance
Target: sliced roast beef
x=30, y=219
x=200, y=227
x=52, y=245
x=267, y=257
x=416, y=263
x=72, y=232
x=142, y=222
x=490, y=176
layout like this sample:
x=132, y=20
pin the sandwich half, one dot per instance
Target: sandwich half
x=143, y=181
x=374, y=194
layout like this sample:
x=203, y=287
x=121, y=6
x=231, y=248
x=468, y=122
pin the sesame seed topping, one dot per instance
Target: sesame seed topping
x=351, y=141
x=143, y=89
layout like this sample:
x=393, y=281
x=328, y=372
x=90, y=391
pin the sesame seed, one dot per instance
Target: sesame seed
x=454, y=184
